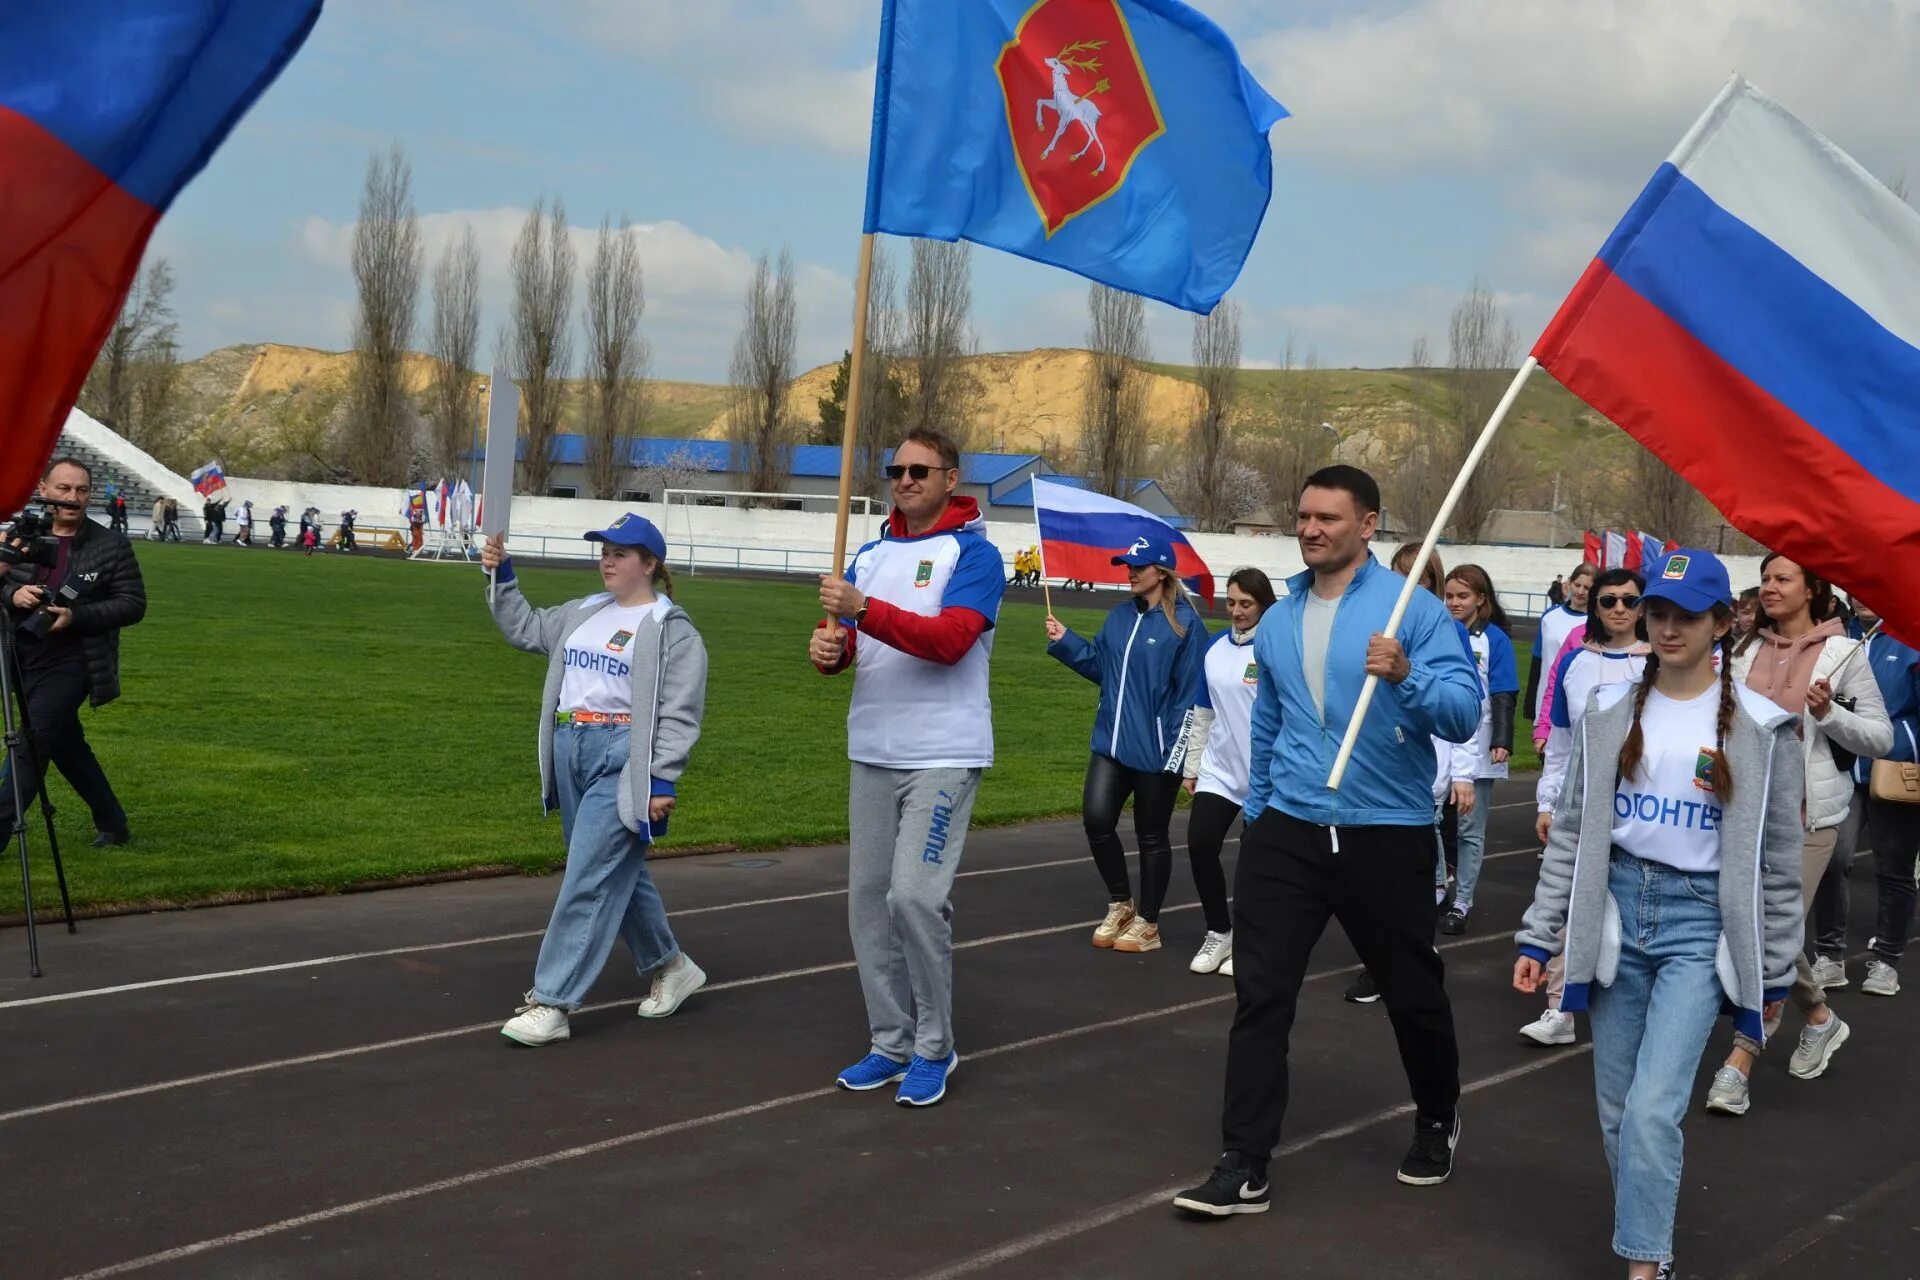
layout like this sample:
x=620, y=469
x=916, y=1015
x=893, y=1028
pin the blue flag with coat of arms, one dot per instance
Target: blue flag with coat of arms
x=1119, y=139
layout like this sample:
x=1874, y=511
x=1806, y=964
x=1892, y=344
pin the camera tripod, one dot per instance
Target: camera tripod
x=19, y=746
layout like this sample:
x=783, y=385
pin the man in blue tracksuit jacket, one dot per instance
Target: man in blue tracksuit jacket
x=1364, y=854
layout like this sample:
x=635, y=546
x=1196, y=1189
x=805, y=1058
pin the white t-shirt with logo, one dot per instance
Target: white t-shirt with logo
x=598, y=675
x=1232, y=680
x=1667, y=811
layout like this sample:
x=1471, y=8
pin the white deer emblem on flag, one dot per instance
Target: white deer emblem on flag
x=1069, y=107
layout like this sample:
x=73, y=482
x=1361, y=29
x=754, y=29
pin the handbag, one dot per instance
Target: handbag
x=1843, y=759
x=1895, y=783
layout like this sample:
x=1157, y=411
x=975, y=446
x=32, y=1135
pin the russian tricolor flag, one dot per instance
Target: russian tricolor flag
x=107, y=108
x=1082, y=531
x=1755, y=321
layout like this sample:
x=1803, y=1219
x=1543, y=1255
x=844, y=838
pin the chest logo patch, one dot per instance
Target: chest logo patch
x=1253, y=674
x=923, y=575
x=617, y=642
x=1703, y=769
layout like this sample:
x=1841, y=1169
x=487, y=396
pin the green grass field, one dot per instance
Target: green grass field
x=292, y=724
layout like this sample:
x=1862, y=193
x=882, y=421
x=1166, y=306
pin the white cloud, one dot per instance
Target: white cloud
x=828, y=108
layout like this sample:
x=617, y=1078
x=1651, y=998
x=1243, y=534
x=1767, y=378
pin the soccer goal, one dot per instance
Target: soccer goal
x=741, y=529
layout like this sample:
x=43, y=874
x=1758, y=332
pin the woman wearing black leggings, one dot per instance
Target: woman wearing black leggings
x=1219, y=743
x=1147, y=660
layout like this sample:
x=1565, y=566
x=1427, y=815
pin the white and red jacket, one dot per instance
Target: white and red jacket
x=920, y=698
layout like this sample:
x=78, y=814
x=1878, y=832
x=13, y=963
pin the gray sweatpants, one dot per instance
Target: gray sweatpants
x=909, y=827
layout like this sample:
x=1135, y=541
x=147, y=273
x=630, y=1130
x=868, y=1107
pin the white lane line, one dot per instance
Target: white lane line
x=1161, y=1196
x=318, y=961
x=354, y=1051
x=646, y=1135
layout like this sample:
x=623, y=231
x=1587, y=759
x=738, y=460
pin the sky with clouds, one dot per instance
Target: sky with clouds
x=1432, y=143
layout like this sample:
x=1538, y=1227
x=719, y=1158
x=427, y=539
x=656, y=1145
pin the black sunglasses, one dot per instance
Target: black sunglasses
x=1615, y=602
x=918, y=470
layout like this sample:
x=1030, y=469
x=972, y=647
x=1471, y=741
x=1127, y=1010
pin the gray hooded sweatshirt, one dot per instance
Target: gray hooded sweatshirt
x=669, y=663
x=1761, y=917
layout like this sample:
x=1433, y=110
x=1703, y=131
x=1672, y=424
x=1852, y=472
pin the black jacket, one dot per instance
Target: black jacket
x=116, y=598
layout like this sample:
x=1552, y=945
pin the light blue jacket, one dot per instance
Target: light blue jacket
x=1389, y=781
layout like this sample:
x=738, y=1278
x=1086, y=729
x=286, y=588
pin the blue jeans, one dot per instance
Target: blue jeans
x=1473, y=845
x=1649, y=1029
x=606, y=890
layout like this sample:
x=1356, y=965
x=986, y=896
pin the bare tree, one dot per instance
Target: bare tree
x=761, y=375
x=133, y=384
x=1299, y=439
x=1210, y=436
x=616, y=357
x=386, y=256
x=1238, y=488
x=1417, y=479
x=677, y=468
x=1114, y=423
x=539, y=341
x=1659, y=501
x=1591, y=483
x=935, y=336
x=455, y=342
x=1481, y=352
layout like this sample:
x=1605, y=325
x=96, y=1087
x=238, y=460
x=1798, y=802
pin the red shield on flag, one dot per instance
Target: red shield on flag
x=1079, y=106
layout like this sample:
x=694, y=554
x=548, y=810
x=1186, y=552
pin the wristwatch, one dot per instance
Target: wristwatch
x=860, y=614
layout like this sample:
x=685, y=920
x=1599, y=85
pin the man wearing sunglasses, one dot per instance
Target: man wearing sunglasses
x=913, y=616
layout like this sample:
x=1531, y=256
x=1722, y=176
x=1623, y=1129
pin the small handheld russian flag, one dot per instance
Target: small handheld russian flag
x=1081, y=533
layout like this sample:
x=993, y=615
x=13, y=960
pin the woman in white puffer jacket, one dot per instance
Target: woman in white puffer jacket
x=1802, y=658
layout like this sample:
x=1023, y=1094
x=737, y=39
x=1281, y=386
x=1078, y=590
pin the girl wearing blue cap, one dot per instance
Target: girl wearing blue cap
x=1673, y=866
x=1149, y=660
x=620, y=712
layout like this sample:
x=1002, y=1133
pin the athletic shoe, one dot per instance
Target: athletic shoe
x=871, y=1072
x=926, y=1081
x=1215, y=950
x=1882, y=979
x=1139, y=935
x=1363, y=989
x=1829, y=974
x=1816, y=1048
x=536, y=1024
x=1665, y=1271
x=1429, y=1160
x=1550, y=1028
x=1454, y=922
x=1236, y=1185
x=110, y=839
x=1730, y=1094
x=1226, y=966
x=1119, y=916
x=673, y=982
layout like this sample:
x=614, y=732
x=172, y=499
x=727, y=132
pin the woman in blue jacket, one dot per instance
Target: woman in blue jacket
x=1149, y=660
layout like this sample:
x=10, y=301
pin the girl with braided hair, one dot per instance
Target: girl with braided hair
x=1673, y=866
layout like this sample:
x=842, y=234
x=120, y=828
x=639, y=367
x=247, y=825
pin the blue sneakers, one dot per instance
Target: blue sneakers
x=871, y=1072
x=926, y=1081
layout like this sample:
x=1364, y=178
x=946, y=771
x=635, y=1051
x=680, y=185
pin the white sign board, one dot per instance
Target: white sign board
x=503, y=433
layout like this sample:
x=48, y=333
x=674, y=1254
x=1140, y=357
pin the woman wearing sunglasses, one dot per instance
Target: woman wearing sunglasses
x=1149, y=660
x=1612, y=649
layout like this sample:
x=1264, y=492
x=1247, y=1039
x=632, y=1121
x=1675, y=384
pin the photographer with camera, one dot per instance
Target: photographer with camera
x=70, y=586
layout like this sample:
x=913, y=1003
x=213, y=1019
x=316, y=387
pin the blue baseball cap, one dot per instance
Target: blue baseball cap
x=631, y=530
x=1692, y=578
x=1148, y=549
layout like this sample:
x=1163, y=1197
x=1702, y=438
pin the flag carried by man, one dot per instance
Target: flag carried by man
x=107, y=109
x=208, y=480
x=1755, y=321
x=1082, y=531
x=1120, y=139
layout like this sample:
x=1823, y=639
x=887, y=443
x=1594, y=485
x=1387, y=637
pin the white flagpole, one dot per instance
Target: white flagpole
x=1419, y=566
x=1040, y=542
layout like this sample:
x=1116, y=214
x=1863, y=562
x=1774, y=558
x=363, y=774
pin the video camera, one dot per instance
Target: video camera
x=30, y=537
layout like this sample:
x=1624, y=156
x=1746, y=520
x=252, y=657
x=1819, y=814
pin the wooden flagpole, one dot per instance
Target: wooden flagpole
x=1040, y=542
x=1419, y=566
x=850, y=427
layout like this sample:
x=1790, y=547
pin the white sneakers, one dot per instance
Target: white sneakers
x=1829, y=974
x=1550, y=1028
x=537, y=1024
x=673, y=982
x=1226, y=967
x=1215, y=950
x=1882, y=979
